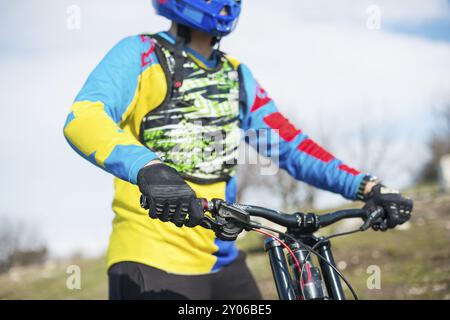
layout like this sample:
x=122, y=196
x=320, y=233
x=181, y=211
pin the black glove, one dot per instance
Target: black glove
x=168, y=196
x=397, y=208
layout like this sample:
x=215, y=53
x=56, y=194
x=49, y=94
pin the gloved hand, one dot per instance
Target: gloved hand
x=168, y=196
x=397, y=208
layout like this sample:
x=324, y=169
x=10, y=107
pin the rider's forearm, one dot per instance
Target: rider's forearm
x=329, y=174
x=94, y=125
x=96, y=137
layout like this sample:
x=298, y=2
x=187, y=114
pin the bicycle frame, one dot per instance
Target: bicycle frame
x=283, y=278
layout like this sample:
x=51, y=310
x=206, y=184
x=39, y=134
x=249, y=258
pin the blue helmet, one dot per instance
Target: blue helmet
x=203, y=15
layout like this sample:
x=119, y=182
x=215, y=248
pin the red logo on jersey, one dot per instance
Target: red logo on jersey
x=261, y=98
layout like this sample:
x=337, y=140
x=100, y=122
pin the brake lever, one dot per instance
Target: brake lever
x=210, y=223
x=372, y=218
x=227, y=221
x=234, y=213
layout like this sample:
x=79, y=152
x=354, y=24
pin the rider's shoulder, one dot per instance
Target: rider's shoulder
x=240, y=66
x=237, y=64
x=139, y=48
x=128, y=43
x=135, y=43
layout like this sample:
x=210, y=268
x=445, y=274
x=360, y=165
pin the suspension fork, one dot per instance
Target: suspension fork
x=330, y=276
x=282, y=276
x=280, y=270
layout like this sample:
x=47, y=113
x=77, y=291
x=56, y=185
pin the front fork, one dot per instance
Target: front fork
x=287, y=283
x=280, y=270
x=330, y=276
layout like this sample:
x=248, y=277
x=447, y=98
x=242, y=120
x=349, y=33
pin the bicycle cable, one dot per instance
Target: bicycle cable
x=317, y=254
x=327, y=239
x=297, y=263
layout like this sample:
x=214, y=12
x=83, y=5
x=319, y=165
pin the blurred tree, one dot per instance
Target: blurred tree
x=19, y=245
x=438, y=146
x=9, y=239
x=292, y=194
x=372, y=150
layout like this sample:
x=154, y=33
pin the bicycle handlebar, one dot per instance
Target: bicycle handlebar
x=228, y=217
x=282, y=219
x=330, y=218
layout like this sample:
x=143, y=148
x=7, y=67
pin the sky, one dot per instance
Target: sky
x=332, y=66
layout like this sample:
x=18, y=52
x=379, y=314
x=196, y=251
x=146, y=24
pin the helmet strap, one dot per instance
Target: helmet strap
x=216, y=41
x=183, y=33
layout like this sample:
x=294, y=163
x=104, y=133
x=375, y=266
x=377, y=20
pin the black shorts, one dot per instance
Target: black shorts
x=135, y=281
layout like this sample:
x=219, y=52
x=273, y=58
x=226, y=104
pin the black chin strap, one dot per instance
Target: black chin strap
x=216, y=41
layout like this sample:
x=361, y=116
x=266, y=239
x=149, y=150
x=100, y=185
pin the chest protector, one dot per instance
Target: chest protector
x=196, y=128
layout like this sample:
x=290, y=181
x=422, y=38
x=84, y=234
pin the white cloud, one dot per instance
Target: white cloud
x=351, y=11
x=307, y=66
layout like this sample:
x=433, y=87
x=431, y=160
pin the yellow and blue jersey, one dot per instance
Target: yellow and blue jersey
x=104, y=127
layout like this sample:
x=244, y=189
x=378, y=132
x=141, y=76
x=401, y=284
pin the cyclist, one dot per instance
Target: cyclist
x=139, y=116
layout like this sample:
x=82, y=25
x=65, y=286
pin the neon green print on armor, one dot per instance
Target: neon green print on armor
x=196, y=130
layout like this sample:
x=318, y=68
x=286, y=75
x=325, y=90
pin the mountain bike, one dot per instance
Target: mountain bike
x=290, y=253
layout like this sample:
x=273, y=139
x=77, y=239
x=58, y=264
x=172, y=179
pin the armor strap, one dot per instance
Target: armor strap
x=183, y=38
x=166, y=54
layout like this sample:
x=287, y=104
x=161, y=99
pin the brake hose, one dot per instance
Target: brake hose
x=313, y=248
x=318, y=255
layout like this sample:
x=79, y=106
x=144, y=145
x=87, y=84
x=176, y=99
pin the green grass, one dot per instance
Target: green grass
x=49, y=282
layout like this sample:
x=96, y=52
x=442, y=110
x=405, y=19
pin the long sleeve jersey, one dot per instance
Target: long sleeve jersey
x=104, y=125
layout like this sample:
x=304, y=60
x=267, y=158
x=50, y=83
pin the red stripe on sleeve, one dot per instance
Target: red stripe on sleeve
x=261, y=98
x=286, y=130
x=313, y=149
x=347, y=169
